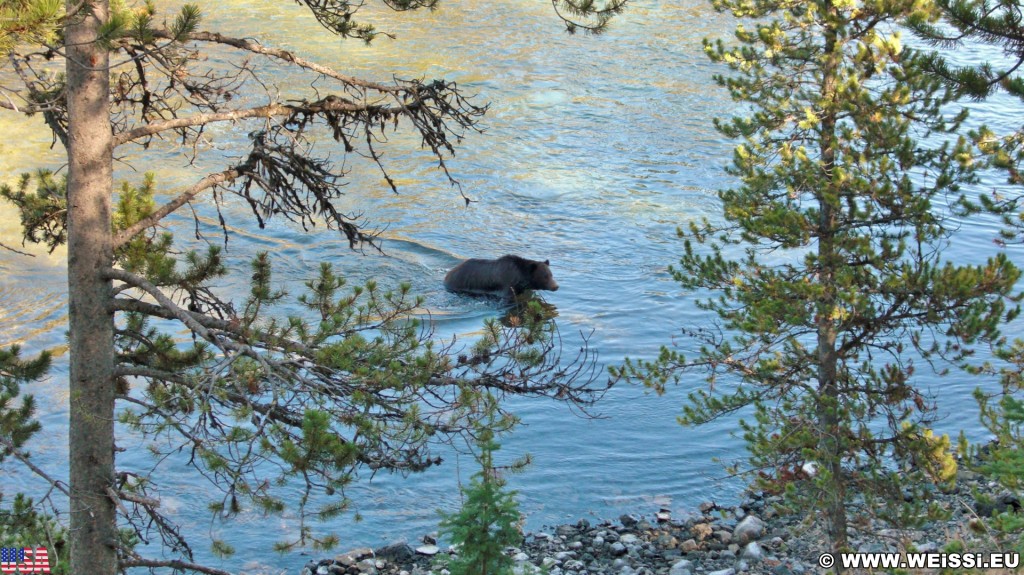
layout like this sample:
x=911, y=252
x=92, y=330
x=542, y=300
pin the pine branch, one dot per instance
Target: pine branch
x=206, y=183
x=19, y=252
x=285, y=56
x=328, y=104
x=24, y=459
x=232, y=326
x=149, y=373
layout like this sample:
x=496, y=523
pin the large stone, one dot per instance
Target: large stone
x=352, y=557
x=748, y=530
x=689, y=546
x=398, y=552
x=428, y=550
x=369, y=565
x=618, y=549
x=566, y=530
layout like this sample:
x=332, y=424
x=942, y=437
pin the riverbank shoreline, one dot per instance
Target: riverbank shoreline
x=749, y=538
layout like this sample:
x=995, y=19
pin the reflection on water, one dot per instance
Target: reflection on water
x=596, y=149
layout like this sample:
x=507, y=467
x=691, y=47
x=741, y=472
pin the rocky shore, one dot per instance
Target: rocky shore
x=751, y=538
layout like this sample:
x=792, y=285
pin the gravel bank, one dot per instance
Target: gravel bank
x=750, y=538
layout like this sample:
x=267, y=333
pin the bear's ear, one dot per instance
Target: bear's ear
x=547, y=263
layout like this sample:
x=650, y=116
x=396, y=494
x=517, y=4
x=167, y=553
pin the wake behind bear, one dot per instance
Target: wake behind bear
x=507, y=276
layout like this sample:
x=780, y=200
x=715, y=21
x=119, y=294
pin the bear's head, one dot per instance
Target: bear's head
x=540, y=276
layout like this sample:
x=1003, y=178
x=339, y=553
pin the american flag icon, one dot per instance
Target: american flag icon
x=24, y=560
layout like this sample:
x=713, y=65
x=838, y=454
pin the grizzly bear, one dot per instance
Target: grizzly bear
x=507, y=276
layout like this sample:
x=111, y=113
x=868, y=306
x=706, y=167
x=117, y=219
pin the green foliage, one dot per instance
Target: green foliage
x=139, y=25
x=31, y=22
x=966, y=26
x=1003, y=458
x=488, y=521
x=41, y=199
x=827, y=272
x=16, y=423
x=22, y=524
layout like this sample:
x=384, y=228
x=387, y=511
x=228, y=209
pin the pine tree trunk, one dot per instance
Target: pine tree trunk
x=93, y=532
x=830, y=446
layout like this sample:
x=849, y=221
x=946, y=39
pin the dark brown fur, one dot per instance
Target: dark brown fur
x=506, y=276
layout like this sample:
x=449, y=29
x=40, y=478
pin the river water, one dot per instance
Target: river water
x=595, y=150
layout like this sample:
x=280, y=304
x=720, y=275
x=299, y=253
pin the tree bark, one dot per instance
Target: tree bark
x=93, y=535
x=830, y=446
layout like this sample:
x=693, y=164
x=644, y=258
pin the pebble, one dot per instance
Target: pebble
x=752, y=552
x=681, y=567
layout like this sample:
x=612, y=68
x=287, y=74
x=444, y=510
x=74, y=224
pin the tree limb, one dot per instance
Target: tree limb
x=328, y=104
x=285, y=55
x=22, y=457
x=151, y=220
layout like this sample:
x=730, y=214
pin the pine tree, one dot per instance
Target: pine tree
x=488, y=522
x=827, y=270
x=354, y=383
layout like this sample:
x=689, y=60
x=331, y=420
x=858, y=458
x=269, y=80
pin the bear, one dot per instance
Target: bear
x=507, y=276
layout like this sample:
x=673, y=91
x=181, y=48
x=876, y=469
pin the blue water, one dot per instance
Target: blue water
x=595, y=150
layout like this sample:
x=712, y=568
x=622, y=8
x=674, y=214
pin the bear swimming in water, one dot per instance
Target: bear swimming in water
x=506, y=276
